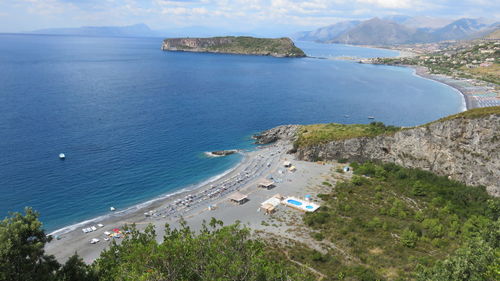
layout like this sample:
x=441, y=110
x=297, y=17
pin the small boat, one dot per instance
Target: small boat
x=346, y=116
x=371, y=117
x=62, y=156
x=112, y=209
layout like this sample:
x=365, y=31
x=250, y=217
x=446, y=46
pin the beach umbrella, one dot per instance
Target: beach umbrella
x=116, y=230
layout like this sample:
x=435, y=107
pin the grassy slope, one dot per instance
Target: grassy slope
x=323, y=133
x=472, y=113
x=370, y=218
x=244, y=44
x=490, y=73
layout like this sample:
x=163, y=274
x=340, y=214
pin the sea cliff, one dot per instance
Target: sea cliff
x=279, y=47
x=464, y=147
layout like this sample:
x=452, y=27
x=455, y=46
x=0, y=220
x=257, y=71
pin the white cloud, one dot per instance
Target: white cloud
x=391, y=4
x=234, y=14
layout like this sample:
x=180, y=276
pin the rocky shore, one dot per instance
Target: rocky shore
x=461, y=148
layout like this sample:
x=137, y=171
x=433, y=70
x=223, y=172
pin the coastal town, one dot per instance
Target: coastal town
x=471, y=66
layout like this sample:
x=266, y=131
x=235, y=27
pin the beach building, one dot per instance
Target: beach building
x=269, y=206
x=267, y=184
x=238, y=198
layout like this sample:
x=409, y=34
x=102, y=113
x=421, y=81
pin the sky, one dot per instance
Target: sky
x=230, y=15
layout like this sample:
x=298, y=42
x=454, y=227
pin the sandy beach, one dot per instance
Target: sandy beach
x=193, y=206
x=476, y=93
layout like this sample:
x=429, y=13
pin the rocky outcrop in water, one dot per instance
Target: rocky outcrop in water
x=285, y=133
x=224, y=152
x=279, y=47
x=464, y=149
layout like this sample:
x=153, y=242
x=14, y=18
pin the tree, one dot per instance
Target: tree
x=475, y=261
x=76, y=270
x=216, y=253
x=22, y=255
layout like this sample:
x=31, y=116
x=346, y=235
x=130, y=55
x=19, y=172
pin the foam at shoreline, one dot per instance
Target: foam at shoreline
x=139, y=206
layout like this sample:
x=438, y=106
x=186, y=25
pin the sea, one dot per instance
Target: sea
x=135, y=122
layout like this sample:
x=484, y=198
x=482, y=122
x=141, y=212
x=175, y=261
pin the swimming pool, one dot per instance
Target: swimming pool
x=294, y=202
x=300, y=204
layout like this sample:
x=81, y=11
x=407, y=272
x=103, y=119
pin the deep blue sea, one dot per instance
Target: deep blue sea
x=134, y=121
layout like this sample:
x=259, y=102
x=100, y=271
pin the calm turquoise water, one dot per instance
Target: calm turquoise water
x=134, y=121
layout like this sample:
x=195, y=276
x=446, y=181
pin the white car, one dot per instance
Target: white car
x=93, y=241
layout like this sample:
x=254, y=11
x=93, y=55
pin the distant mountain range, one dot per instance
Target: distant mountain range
x=399, y=30
x=136, y=30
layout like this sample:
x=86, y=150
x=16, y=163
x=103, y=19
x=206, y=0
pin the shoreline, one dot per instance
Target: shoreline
x=423, y=72
x=256, y=165
x=174, y=194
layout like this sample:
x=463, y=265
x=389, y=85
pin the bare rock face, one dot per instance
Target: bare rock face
x=466, y=150
x=284, y=133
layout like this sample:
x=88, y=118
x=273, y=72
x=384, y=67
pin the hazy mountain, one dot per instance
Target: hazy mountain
x=399, y=29
x=419, y=21
x=326, y=33
x=136, y=30
x=495, y=35
x=462, y=29
x=376, y=31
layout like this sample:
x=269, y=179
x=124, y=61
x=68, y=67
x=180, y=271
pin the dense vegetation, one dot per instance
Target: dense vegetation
x=324, y=133
x=216, y=253
x=399, y=224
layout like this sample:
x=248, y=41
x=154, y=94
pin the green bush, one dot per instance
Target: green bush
x=409, y=238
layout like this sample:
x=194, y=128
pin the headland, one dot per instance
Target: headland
x=242, y=45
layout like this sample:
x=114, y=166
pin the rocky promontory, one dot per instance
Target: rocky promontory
x=243, y=45
x=464, y=147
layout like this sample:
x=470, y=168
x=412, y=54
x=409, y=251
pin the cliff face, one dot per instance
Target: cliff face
x=281, y=47
x=466, y=150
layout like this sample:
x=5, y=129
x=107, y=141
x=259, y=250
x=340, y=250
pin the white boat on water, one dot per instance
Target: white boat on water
x=371, y=117
x=62, y=156
x=112, y=209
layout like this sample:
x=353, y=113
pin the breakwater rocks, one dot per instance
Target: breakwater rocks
x=279, y=47
x=464, y=149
